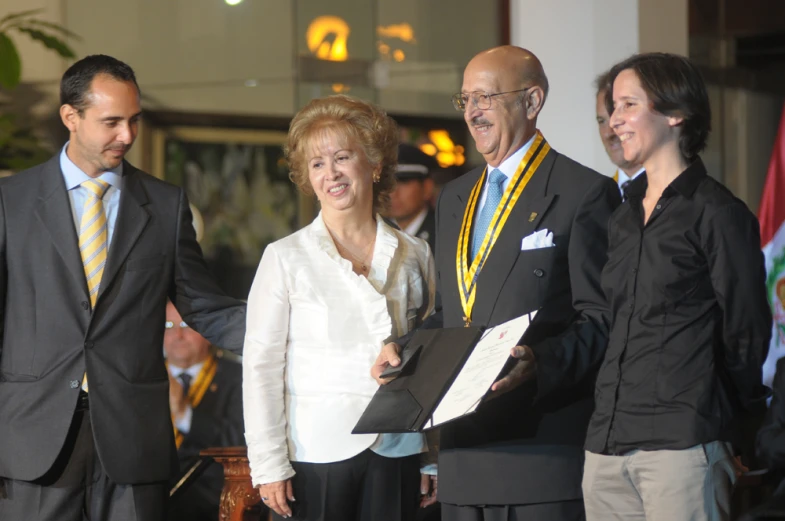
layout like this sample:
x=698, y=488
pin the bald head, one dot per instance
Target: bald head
x=515, y=81
x=514, y=66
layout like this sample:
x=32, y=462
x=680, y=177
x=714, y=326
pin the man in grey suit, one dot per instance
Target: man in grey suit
x=90, y=248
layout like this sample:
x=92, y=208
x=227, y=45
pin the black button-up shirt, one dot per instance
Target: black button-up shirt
x=690, y=321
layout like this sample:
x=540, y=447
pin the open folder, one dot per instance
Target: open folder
x=445, y=373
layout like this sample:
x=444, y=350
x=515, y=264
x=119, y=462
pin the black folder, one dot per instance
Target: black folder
x=430, y=363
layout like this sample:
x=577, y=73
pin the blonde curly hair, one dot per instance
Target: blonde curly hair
x=354, y=121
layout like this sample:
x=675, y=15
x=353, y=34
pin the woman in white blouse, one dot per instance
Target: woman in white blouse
x=324, y=301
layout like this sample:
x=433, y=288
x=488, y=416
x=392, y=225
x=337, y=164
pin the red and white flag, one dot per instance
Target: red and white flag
x=772, y=229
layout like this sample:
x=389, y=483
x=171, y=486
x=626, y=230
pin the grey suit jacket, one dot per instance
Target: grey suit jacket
x=50, y=336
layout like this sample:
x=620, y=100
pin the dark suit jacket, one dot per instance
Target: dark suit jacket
x=526, y=446
x=50, y=335
x=771, y=436
x=216, y=422
x=427, y=230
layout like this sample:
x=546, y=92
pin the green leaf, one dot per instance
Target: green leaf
x=10, y=65
x=54, y=27
x=21, y=14
x=51, y=42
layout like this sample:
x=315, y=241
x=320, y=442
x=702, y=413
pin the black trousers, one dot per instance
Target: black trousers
x=77, y=489
x=557, y=511
x=367, y=487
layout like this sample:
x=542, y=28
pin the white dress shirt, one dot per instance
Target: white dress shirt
x=414, y=226
x=184, y=424
x=314, y=329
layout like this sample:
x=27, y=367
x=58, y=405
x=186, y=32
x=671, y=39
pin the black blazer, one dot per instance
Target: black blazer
x=427, y=230
x=216, y=422
x=50, y=335
x=526, y=446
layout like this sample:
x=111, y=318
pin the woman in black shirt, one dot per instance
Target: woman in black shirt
x=690, y=322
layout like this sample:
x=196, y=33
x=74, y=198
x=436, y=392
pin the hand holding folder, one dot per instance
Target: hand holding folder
x=444, y=374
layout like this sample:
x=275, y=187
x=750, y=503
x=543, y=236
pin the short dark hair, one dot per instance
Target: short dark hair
x=675, y=87
x=76, y=82
x=603, y=83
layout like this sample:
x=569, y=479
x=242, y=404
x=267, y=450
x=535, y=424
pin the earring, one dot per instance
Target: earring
x=377, y=177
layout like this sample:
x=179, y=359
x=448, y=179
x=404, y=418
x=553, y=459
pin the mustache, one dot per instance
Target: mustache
x=479, y=120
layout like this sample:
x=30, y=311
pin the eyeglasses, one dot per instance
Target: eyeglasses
x=481, y=100
x=169, y=324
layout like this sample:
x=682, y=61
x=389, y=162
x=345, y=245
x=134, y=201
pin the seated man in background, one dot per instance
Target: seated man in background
x=205, y=397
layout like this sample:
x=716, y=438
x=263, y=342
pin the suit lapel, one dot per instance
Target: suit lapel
x=132, y=218
x=452, y=216
x=524, y=219
x=54, y=211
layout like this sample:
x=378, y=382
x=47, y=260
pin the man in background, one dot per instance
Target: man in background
x=625, y=171
x=205, y=396
x=410, y=201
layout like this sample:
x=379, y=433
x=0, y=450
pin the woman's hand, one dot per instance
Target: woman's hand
x=277, y=495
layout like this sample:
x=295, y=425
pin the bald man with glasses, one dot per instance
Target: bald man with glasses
x=532, y=223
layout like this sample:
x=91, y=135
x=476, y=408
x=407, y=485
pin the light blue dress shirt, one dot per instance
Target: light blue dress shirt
x=508, y=168
x=77, y=194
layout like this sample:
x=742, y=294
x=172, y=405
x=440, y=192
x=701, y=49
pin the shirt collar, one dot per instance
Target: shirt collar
x=417, y=222
x=193, y=370
x=688, y=181
x=623, y=177
x=74, y=176
x=685, y=184
x=510, y=165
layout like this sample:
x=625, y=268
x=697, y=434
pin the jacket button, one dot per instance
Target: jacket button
x=89, y=345
x=539, y=273
x=74, y=384
x=85, y=305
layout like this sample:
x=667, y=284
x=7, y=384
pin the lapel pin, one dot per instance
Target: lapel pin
x=532, y=217
x=214, y=387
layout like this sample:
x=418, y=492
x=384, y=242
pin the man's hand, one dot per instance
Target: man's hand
x=277, y=495
x=177, y=402
x=428, y=489
x=389, y=356
x=738, y=467
x=525, y=369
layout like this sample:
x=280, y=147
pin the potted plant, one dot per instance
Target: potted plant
x=19, y=146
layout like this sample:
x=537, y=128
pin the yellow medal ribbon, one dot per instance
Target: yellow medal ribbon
x=616, y=177
x=197, y=391
x=467, y=275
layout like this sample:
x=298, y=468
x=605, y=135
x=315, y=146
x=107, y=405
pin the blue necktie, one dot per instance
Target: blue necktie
x=495, y=191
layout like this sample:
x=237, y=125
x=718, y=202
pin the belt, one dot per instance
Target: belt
x=83, y=402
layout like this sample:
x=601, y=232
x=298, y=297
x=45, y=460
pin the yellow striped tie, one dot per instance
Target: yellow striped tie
x=92, y=240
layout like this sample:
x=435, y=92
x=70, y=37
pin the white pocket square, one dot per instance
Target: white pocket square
x=539, y=239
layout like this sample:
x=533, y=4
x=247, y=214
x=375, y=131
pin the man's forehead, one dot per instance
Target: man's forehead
x=482, y=81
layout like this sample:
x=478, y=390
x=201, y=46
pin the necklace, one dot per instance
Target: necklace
x=359, y=263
